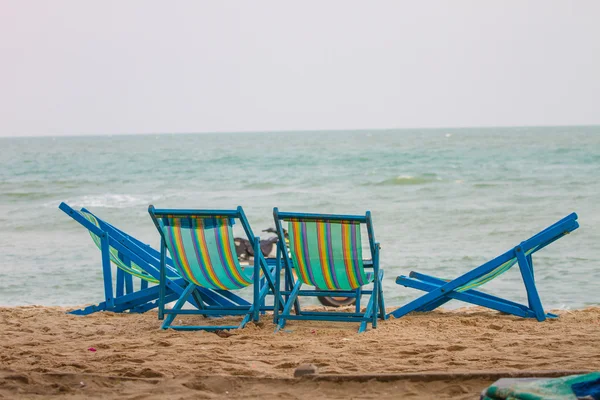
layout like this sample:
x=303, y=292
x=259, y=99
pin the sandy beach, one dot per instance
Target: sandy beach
x=45, y=352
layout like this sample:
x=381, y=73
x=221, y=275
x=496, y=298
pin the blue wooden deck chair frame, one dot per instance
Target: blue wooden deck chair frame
x=463, y=288
x=325, y=252
x=201, y=245
x=136, y=260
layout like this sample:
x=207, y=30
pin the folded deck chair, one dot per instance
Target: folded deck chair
x=135, y=259
x=202, y=248
x=326, y=252
x=463, y=288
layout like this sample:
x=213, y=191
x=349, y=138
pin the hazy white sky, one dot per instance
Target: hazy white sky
x=107, y=67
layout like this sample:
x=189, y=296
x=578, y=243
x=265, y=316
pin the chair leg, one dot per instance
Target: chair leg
x=256, y=303
x=289, y=286
x=263, y=303
x=182, y=300
x=370, y=311
x=276, y=301
x=532, y=294
x=382, y=314
x=358, y=297
x=120, y=284
x=162, y=284
x=128, y=283
x=90, y=309
x=198, y=301
x=530, y=262
x=288, y=306
x=375, y=301
x=106, y=270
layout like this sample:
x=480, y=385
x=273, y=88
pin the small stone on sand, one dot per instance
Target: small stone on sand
x=305, y=369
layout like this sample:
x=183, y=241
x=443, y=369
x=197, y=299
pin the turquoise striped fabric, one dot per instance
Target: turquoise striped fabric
x=327, y=255
x=204, y=252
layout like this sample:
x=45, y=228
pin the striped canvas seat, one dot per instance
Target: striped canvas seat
x=328, y=255
x=325, y=251
x=202, y=248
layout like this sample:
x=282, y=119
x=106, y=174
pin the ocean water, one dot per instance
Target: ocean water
x=443, y=200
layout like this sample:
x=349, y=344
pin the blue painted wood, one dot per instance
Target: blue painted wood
x=128, y=283
x=440, y=291
x=326, y=316
x=77, y=217
x=530, y=263
x=370, y=313
x=288, y=306
x=382, y=314
x=467, y=297
x=532, y=294
x=293, y=288
x=171, y=314
x=319, y=217
x=357, y=295
x=202, y=213
x=219, y=312
x=319, y=293
x=440, y=282
x=128, y=302
x=277, y=302
x=162, y=283
x=106, y=270
x=377, y=280
x=256, y=301
x=153, y=304
x=284, y=258
x=127, y=278
x=209, y=328
x=120, y=285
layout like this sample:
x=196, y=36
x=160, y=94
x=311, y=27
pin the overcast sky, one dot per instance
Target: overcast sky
x=108, y=67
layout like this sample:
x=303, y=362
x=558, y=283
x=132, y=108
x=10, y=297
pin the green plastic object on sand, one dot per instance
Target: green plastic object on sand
x=566, y=388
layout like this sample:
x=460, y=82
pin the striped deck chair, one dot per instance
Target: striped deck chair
x=134, y=259
x=325, y=251
x=202, y=248
x=463, y=288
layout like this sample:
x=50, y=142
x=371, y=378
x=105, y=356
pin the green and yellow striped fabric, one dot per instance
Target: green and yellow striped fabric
x=133, y=268
x=475, y=283
x=327, y=255
x=203, y=250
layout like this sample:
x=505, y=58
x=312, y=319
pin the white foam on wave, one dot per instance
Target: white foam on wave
x=109, y=200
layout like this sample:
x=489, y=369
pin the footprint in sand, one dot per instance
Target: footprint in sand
x=456, y=347
x=286, y=365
